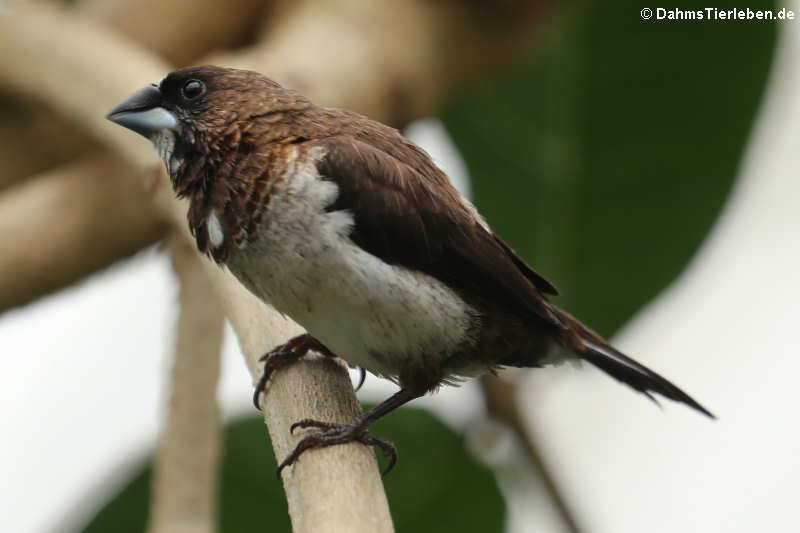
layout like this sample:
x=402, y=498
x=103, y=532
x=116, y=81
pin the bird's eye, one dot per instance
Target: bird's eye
x=192, y=89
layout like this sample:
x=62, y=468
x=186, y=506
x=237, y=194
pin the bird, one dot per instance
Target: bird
x=351, y=230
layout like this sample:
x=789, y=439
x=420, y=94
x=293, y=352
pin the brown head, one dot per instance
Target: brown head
x=197, y=114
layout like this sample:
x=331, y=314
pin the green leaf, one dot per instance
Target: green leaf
x=605, y=157
x=437, y=485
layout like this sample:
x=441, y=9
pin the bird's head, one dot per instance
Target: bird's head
x=196, y=112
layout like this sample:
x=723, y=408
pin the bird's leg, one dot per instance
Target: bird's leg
x=286, y=353
x=353, y=431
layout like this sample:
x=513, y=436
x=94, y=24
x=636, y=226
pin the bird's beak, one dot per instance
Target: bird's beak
x=142, y=113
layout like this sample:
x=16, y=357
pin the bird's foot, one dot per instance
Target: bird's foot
x=282, y=355
x=354, y=431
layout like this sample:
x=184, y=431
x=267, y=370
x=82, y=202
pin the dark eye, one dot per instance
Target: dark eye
x=192, y=89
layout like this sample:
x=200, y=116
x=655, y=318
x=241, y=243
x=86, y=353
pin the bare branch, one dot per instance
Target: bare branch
x=180, y=30
x=184, y=478
x=63, y=225
x=34, y=139
x=501, y=396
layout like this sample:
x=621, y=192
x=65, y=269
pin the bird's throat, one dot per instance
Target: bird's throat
x=164, y=141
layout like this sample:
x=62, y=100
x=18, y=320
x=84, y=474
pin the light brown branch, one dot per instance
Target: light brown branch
x=183, y=498
x=180, y=30
x=65, y=224
x=34, y=139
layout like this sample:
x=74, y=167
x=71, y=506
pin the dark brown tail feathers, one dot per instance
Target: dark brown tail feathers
x=593, y=348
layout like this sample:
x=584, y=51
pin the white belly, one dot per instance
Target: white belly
x=369, y=313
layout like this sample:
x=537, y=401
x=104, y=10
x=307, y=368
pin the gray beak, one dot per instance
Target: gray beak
x=142, y=113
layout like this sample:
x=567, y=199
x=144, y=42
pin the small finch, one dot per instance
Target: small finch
x=350, y=229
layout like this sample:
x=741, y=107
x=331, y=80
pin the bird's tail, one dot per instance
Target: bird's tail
x=592, y=348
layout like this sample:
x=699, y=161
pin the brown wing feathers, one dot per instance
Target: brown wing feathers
x=412, y=217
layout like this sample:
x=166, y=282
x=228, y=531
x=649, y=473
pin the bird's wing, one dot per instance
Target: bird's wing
x=410, y=215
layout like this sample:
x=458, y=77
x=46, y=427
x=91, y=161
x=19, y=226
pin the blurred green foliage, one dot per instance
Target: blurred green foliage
x=605, y=156
x=436, y=481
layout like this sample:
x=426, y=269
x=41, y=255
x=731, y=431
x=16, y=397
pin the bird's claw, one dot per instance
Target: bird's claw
x=387, y=448
x=280, y=356
x=272, y=360
x=338, y=434
x=362, y=376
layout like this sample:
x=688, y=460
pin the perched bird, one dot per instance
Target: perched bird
x=350, y=229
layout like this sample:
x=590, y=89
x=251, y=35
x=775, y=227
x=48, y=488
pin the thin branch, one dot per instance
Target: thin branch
x=501, y=401
x=184, y=479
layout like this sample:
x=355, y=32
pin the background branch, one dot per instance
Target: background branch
x=33, y=139
x=65, y=224
x=180, y=30
x=502, y=402
x=183, y=498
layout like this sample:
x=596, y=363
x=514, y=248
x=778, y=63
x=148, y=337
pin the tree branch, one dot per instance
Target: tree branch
x=184, y=476
x=65, y=224
x=180, y=30
x=501, y=397
x=34, y=139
